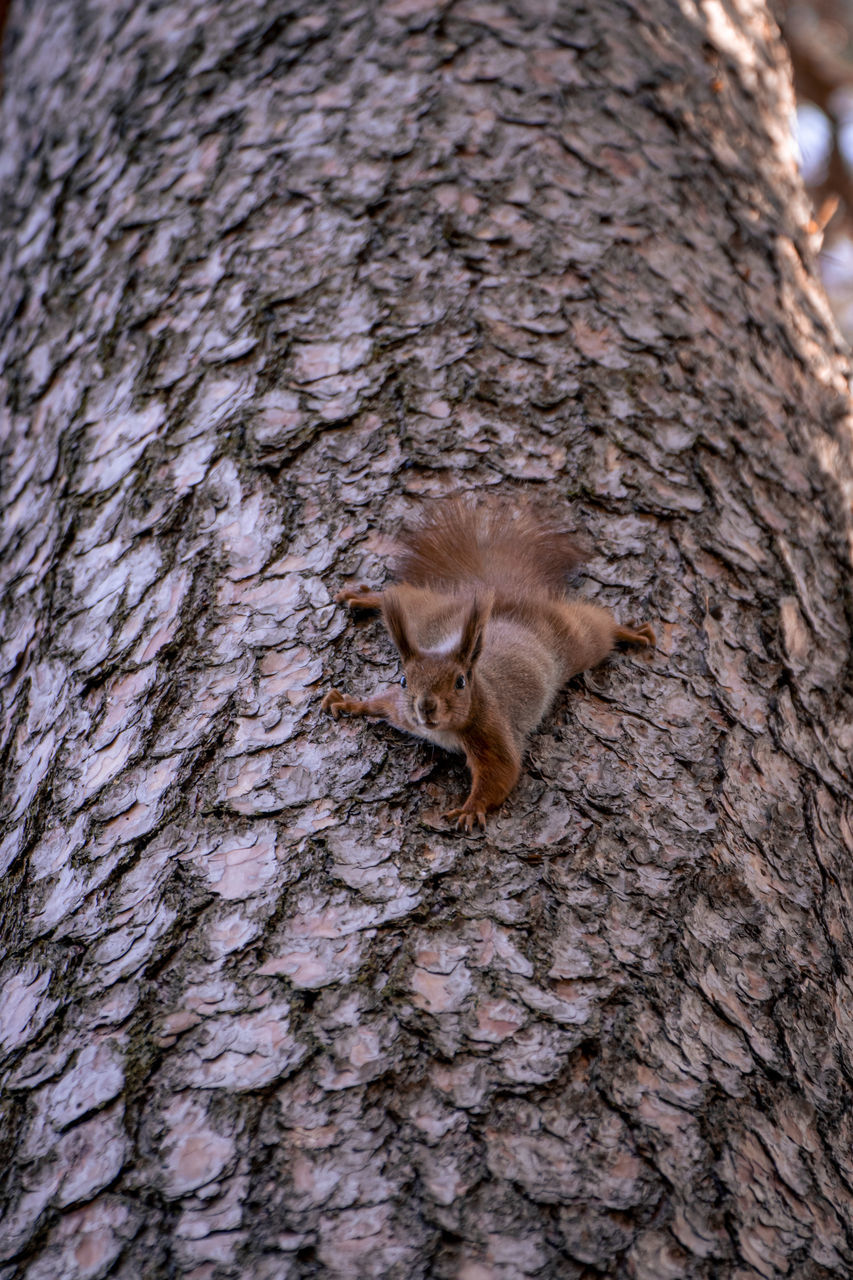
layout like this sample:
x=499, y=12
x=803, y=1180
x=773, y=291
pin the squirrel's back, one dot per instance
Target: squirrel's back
x=493, y=545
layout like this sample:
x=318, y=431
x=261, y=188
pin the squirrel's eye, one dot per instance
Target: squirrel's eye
x=460, y=682
x=403, y=681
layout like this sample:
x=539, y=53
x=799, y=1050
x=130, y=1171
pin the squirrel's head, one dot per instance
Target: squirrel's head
x=438, y=682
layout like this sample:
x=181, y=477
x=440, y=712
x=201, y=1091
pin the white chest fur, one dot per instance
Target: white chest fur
x=441, y=737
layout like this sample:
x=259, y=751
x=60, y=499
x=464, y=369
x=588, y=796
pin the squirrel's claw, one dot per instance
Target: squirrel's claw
x=641, y=633
x=335, y=702
x=465, y=818
x=348, y=593
x=645, y=634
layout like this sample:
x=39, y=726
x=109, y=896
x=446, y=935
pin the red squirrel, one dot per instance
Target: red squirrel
x=487, y=635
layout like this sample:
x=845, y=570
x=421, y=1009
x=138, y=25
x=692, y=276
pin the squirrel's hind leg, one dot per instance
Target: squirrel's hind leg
x=360, y=597
x=643, y=635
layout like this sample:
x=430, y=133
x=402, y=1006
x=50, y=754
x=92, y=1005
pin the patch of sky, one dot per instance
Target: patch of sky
x=813, y=136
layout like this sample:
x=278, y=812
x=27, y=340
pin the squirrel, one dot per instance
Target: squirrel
x=487, y=635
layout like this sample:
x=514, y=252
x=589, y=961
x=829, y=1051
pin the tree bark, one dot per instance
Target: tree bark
x=269, y=274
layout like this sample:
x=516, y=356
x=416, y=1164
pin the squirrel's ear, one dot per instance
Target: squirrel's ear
x=392, y=612
x=471, y=640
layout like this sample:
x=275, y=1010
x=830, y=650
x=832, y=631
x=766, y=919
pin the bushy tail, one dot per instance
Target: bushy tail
x=507, y=549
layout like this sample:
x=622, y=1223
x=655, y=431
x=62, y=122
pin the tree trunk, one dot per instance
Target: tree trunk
x=269, y=273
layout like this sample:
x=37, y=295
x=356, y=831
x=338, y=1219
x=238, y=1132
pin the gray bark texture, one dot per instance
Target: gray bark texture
x=270, y=274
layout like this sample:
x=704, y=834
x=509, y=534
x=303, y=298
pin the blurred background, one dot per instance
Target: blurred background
x=819, y=38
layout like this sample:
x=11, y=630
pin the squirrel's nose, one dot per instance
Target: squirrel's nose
x=427, y=704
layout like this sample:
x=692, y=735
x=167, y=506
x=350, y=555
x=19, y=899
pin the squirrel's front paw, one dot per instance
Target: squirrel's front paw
x=466, y=817
x=335, y=702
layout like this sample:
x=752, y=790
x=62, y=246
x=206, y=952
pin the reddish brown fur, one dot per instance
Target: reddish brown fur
x=511, y=551
x=487, y=636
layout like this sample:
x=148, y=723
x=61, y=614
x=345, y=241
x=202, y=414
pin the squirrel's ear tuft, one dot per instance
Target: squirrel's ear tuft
x=471, y=640
x=392, y=612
